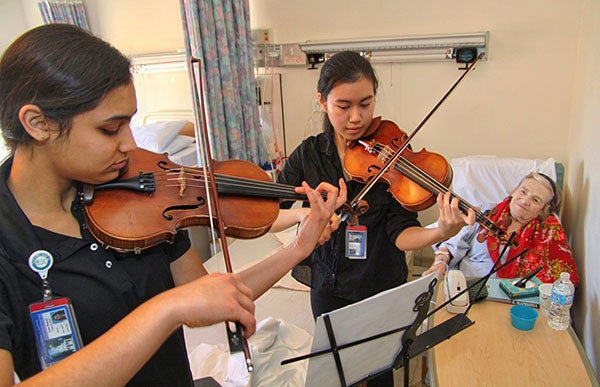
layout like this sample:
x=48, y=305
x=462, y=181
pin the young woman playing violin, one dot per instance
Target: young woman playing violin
x=529, y=211
x=346, y=92
x=67, y=99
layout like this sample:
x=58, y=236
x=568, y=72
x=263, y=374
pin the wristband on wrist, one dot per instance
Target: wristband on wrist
x=439, y=253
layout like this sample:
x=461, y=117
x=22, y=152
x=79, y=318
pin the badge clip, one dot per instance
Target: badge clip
x=41, y=261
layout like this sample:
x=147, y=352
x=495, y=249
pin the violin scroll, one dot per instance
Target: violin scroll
x=351, y=212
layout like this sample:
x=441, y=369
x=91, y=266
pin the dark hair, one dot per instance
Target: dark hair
x=62, y=69
x=343, y=67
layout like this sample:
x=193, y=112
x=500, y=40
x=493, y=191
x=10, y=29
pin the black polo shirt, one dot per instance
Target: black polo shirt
x=316, y=160
x=103, y=286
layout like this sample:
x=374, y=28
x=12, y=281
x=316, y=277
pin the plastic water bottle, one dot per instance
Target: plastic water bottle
x=561, y=299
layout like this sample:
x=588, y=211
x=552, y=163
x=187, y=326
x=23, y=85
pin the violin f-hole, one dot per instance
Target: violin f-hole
x=183, y=207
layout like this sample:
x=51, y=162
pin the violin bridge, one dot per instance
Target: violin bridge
x=385, y=154
x=368, y=146
x=181, y=180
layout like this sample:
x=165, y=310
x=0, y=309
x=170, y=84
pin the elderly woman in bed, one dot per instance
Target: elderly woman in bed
x=528, y=211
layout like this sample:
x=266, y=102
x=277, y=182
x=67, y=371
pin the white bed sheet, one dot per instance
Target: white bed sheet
x=187, y=156
x=285, y=321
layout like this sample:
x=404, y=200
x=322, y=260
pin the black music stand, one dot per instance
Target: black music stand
x=361, y=346
x=350, y=350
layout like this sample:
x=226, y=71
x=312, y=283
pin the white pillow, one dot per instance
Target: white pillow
x=178, y=143
x=157, y=137
x=489, y=179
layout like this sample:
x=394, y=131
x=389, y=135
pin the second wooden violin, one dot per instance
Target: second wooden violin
x=415, y=179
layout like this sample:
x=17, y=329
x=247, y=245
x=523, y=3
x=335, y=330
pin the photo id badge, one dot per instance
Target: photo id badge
x=56, y=331
x=356, y=242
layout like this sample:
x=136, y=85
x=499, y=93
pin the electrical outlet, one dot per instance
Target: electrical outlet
x=262, y=36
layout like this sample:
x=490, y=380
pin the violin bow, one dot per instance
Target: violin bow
x=356, y=202
x=235, y=334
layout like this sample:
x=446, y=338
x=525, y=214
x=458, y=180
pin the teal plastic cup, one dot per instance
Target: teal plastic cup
x=523, y=317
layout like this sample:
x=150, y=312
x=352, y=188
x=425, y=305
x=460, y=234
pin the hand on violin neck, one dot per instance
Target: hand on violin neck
x=452, y=219
x=320, y=222
x=341, y=192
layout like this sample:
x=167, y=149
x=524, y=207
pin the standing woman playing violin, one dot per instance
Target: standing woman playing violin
x=66, y=101
x=346, y=92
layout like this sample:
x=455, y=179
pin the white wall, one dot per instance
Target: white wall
x=538, y=95
x=521, y=93
x=127, y=24
x=12, y=24
x=12, y=21
x=582, y=209
x=519, y=97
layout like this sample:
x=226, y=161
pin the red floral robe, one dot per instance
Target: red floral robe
x=546, y=242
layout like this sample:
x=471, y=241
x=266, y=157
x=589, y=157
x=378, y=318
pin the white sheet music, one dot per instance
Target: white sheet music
x=381, y=313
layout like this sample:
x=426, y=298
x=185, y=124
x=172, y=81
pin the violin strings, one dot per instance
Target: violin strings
x=427, y=182
x=262, y=186
x=413, y=171
x=233, y=182
x=243, y=185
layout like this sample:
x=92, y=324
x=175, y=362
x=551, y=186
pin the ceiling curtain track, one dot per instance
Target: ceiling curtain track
x=218, y=33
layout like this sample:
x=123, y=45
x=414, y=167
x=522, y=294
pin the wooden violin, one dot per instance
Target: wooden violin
x=156, y=197
x=415, y=178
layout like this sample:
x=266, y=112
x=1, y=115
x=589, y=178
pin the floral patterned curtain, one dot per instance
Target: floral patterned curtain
x=218, y=33
x=64, y=11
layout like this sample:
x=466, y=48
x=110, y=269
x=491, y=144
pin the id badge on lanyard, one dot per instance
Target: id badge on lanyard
x=356, y=242
x=54, y=323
